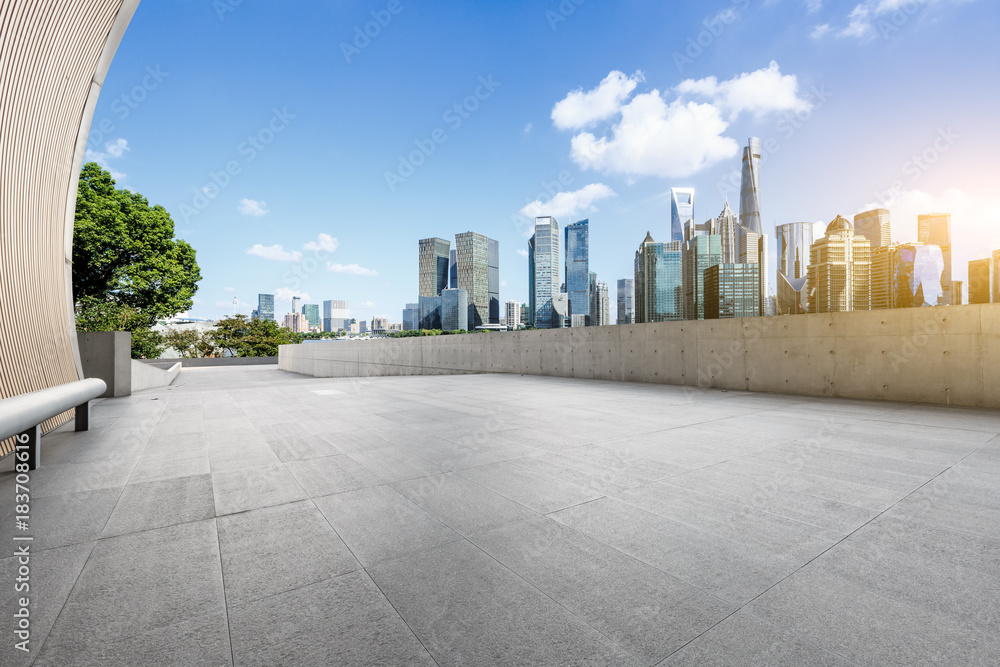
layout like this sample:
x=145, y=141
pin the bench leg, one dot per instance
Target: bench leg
x=83, y=416
x=29, y=447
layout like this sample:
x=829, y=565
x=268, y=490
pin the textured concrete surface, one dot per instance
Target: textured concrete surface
x=250, y=516
x=929, y=355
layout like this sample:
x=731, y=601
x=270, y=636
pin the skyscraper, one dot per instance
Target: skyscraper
x=883, y=268
x=995, y=289
x=433, y=256
x=477, y=267
x=917, y=271
x=454, y=310
x=311, y=311
x=577, y=246
x=411, y=317
x=840, y=270
x=529, y=308
x=725, y=226
x=452, y=271
x=658, y=281
x=794, y=240
x=980, y=280
x=874, y=226
x=626, y=296
x=544, y=267
x=700, y=252
x=514, y=315
x=602, y=306
x=681, y=212
x=751, y=239
x=935, y=229
x=296, y=304
x=731, y=291
x=335, y=315
x=429, y=308
x=265, y=307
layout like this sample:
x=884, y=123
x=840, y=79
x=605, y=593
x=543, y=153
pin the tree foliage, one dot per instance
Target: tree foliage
x=191, y=343
x=242, y=337
x=128, y=269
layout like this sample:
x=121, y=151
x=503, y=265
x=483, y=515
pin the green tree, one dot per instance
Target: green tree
x=191, y=343
x=97, y=315
x=128, y=269
x=242, y=337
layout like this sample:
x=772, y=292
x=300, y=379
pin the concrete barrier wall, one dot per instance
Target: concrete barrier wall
x=148, y=376
x=201, y=362
x=928, y=355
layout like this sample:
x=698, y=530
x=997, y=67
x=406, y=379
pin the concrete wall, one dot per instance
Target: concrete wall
x=148, y=376
x=215, y=361
x=108, y=355
x=930, y=355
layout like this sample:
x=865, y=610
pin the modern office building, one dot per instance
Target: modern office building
x=433, y=265
x=700, y=252
x=883, y=264
x=874, y=226
x=560, y=310
x=296, y=304
x=452, y=271
x=296, y=322
x=840, y=270
x=363, y=326
x=731, y=290
x=935, y=229
x=980, y=280
x=455, y=310
x=525, y=314
x=265, y=307
x=543, y=271
x=514, y=310
x=380, y=324
x=429, y=311
x=752, y=249
x=794, y=240
x=602, y=306
x=311, y=311
x=681, y=213
x=578, y=320
x=477, y=260
x=626, y=301
x=578, y=282
x=906, y=276
x=659, y=293
x=751, y=239
x=411, y=317
x=956, y=292
x=335, y=312
x=725, y=226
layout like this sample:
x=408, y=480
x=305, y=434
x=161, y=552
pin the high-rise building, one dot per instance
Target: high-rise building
x=659, y=293
x=433, y=256
x=543, y=256
x=296, y=322
x=980, y=280
x=731, y=290
x=592, y=286
x=411, y=317
x=335, y=313
x=529, y=314
x=917, y=275
x=752, y=249
x=525, y=314
x=626, y=296
x=577, y=249
x=455, y=310
x=560, y=310
x=602, y=309
x=751, y=239
x=452, y=271
x=514, y=315
x=265, y=307
x=430, y=312
x=380, y=324
x=681, y=213
x=883, y=269
x=956, y=292
x=296, y=304
x=794, y=240
x=477, y=267
x=363, y=326
x=725, y=226
x=840, y=270
x=311, y=311
x=700, y=252
x=935, y=229
x=995, y=289
x=874, y=226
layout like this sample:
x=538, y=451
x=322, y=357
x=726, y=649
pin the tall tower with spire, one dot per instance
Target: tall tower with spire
x=751, y=240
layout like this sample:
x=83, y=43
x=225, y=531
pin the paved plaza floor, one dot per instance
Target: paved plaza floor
x=248, y=516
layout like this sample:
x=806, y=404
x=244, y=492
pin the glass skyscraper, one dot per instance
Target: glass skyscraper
x=433, y=254
x=311, y=311
x=918, y=275
x=731, y=291
x=794, y=240
x=874, y=226
x=626, y=293
x=935, y=229
x=751, y=240
x=411, y=317
x=477, y=268
x=265, y=306
x=681, y=213
x=725, y=226
x=659, y=293
x=578, y=282
x=543, y=270
x=429, y=312
x=454, y=310
x=700, y=252
x=980, y=280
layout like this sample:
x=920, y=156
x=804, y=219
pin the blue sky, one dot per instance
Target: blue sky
x=299, y=158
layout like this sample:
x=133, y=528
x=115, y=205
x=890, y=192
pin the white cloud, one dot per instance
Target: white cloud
x=763, y=91
x=353, y=269
x=252, y=207
x=581, y=109
x=323, y=242
x=522, y=252
x=275, y=252
x=858, y=24
x=871, y=17
x=365, y=304
x=527, y=128
x=286, y=294
x=820, y=30
x=228, y=289
x=568, y=204
x=813, y=6
x=112, y=149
